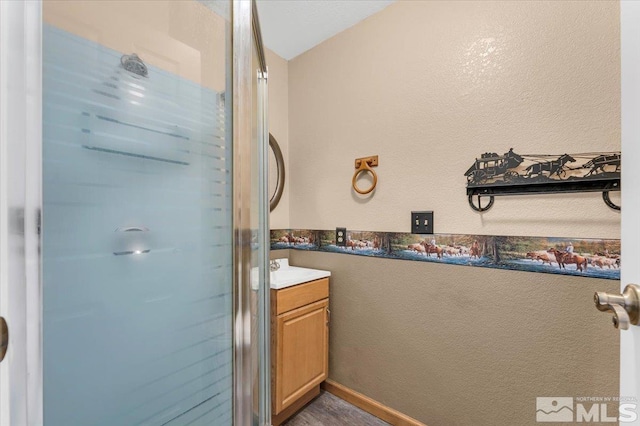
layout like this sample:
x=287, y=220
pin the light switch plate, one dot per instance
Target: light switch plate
x=422, y=222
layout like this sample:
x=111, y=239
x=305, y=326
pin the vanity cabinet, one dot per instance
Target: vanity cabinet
x=299, y=345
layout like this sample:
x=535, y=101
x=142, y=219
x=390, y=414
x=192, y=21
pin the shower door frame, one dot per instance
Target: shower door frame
x=21, y=375
x=21, y=380
x=246, y=36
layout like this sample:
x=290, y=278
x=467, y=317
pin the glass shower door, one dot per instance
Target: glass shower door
x=138, y=267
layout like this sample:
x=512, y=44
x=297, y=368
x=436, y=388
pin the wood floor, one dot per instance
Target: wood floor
x=329, y=410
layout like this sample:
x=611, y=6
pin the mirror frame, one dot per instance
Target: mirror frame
x=275, y=198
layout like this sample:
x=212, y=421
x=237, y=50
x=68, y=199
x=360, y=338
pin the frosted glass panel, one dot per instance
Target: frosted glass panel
x=136, y=243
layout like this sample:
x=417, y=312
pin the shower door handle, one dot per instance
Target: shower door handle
x=132, y=240
x=133, y=229
x=4, y=338
x=625, y=307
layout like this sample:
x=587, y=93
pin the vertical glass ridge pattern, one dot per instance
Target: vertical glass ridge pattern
x=137, y=254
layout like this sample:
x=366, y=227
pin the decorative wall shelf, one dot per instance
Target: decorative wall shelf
x=511, y=174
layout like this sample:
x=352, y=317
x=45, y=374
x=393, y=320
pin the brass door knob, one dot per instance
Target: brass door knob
x=625, y=306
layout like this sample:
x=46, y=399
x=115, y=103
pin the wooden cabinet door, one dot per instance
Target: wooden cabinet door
x=302, y=354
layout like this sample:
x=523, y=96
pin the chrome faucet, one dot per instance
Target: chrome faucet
x=274, y=265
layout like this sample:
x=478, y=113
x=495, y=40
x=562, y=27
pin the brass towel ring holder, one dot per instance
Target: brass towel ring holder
x=364, y=165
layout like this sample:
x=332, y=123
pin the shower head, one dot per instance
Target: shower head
x=134, y=64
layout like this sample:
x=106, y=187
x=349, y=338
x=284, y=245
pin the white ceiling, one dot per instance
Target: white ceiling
x=291, y=27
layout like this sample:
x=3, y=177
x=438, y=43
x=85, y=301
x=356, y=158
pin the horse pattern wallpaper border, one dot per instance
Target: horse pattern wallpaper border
x=592, y=258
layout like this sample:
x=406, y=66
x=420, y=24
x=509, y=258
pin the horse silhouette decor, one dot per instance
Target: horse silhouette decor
x=516, y=174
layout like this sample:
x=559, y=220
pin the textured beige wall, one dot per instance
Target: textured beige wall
x=279, y=128
x=429, y=86
x=452, y=345
x=279, y=254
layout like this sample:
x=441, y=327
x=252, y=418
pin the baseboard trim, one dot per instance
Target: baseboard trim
x=369, y=405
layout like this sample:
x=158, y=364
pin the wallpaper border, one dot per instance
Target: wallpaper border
x=591, y=258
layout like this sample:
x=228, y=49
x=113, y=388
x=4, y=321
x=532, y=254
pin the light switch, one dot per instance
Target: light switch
x=422, y=222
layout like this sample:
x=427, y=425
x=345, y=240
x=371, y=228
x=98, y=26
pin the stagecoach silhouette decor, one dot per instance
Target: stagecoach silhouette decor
x=514, y=174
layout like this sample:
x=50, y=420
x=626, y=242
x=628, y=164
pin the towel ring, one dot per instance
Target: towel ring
x=363, y=165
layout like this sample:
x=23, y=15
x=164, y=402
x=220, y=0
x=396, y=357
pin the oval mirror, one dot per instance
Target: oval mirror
x=276, y=172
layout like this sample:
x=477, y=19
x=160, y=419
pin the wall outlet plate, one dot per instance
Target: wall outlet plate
x=422, y=222
x=341, y=237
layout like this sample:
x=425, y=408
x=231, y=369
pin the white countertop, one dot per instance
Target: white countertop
x=288, y=276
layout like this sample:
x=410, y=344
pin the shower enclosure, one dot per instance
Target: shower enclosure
x=133, y=213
